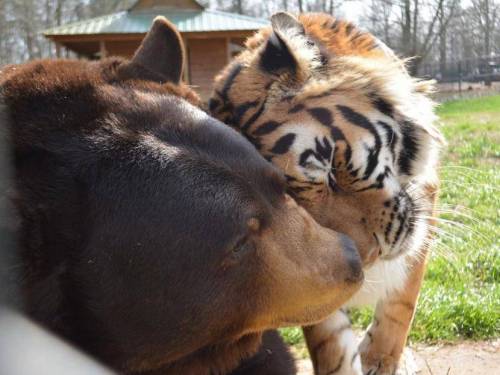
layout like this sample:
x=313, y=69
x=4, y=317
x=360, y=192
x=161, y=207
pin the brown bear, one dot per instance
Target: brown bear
x=151, y=235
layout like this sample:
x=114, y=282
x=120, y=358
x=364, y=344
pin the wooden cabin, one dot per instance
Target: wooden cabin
x=211, y=37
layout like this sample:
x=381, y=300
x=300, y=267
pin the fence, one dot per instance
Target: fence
x=466, y=78
x=482, y=69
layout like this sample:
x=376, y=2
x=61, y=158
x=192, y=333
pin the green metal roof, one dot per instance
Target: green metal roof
x=139, y=22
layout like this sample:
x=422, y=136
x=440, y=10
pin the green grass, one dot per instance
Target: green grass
x=460, y=297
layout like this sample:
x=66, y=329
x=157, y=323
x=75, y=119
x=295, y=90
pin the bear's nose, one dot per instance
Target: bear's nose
x=353, y=260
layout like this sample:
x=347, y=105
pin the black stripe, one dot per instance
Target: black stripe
x=358, y=119
x=213, y=104
x=300, y=189
x=347, y=153
x=349, y=28
x=373, y=154
x=382, y=105
x=323, y=152
x=322, y=115
x=254, y=117
x=400, y=229
x=297, y=108
x=387, y=231
x=223, y=94
x=353, y=173
x=235, y=70
x=410, y=147
x=338, y=135
x=356, y=36
x=376, y=185
x=380, y=179
x=305, y=155
x=283, y=144
x=374, y=45
x=266, y=128
x=240, y=111
x=325, y=149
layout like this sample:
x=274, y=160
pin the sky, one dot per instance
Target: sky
x=353, y=10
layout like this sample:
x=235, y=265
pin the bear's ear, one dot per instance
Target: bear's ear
x=160, y=57
x=278, y=55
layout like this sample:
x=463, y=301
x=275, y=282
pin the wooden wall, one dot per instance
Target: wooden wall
x=206, y=55
x=122, y=48
x=206, y=58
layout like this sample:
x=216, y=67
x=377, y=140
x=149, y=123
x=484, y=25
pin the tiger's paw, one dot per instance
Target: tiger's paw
x=374, y=353
x=378, y=365
x=334, y=346
x=339, y=356
x=388, y=365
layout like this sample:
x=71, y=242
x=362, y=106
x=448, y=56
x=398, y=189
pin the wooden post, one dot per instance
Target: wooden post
x=103, y=53
x=228, y=49
x=186, y=74
x=58, y=49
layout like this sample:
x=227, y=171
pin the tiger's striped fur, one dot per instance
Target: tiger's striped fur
x=336, y=110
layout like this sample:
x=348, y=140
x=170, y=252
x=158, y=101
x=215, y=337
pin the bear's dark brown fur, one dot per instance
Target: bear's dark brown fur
x=152, y=236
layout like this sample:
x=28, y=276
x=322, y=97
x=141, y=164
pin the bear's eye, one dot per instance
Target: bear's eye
x=243, y=245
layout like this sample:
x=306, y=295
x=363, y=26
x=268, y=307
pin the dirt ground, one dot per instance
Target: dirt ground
x=465, y=358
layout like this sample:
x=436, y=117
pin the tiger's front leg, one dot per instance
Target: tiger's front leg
x=333, y=346
x=385, y=339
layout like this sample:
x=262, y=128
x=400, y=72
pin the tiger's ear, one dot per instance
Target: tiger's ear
x=160, y=57
x=278, y=56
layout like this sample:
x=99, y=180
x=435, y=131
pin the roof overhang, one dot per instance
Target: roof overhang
x=186, y=21
x=172, y=4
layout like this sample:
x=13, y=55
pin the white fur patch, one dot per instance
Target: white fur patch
x=381, y=279
x=349, y=342
x=335, y=321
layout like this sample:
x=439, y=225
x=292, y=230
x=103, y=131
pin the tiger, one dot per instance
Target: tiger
x=358, y=141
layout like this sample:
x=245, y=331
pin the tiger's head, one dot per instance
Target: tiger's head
x=336, y=110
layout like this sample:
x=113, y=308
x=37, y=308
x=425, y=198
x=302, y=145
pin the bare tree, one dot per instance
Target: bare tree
x=301, y=5
x=416, y=25
x=485, y=14
x=432, y=30
x=379, y=19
